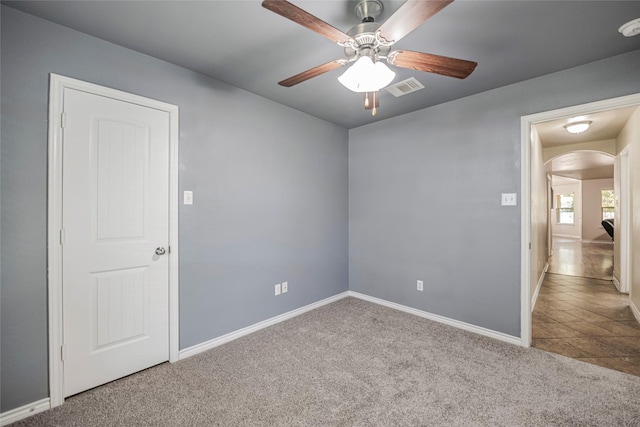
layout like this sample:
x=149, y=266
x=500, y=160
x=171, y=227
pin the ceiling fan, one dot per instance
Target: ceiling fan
x=368, y=43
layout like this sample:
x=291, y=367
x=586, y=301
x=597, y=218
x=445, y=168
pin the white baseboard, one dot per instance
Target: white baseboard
x=634, y=310
x=604, y=242
x=538, y=286
x=25, y=411
x=441, y=319
x=567, y=236
x=617, y=283
x=208, y=345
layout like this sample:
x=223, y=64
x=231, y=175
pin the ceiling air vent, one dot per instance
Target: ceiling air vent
x=404, y=87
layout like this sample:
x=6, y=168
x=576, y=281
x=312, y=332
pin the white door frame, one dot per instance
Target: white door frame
x=624, y=221
x=57, y=85
x=525, y=190
x=550, y=211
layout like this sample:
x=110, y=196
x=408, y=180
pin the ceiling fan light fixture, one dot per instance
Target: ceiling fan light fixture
x=577, y=127
x=366, y=76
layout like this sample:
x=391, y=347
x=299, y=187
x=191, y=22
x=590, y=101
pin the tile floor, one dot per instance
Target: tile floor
x=574, y=258
x=589, y=320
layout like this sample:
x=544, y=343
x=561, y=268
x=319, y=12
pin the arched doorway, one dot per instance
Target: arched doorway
x=580, y=197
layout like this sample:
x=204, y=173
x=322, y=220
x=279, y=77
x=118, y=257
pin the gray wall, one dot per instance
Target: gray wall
x=271, y=192
x=270, y=189
x=424, y=195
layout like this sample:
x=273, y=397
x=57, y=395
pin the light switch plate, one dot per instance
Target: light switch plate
x=188, y=197
x=509, y=199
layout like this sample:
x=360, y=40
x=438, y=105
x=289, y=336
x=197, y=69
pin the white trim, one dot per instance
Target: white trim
x=208, y=345
x=624, y=222
x=597, y=241
x=440, y=319
x=567, y=236
x=525, y=232
x=589, y=108
x=174, y=243
x=617, y=283
x=634, y=310
x=534, y=298
x=54, y=255
x=25, y=411
x=525, y=177
x=54, y=219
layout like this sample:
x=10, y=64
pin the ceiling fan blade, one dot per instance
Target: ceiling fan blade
x=313, y=72
x=409, y=17
x=304, y=18
x=443, y=65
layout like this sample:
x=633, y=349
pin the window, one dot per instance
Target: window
x=608, y=205
x=564, y=209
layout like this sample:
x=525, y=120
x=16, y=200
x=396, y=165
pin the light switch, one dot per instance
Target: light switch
x=188, y=197
x=509, y=199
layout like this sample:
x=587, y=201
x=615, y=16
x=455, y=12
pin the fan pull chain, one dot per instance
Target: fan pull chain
x=374, y=111
x=370, y=102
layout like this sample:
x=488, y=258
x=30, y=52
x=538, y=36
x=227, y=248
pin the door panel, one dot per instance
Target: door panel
x=121, y=158
x=119, y=307
x=115, y=214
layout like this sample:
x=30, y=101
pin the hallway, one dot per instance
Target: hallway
x=580, y=314
x=572, y=257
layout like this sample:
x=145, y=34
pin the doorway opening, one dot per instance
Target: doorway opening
x=581, y=206
x=567, y=256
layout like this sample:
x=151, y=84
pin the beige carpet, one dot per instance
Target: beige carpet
x=354, y=363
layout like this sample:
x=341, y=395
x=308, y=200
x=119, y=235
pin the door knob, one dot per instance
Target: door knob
x=160, y=251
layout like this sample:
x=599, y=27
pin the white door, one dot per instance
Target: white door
x=115, y=214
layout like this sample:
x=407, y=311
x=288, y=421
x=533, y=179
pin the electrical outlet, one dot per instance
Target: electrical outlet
x=420, y=285
x=285, y=287
x=278, y=288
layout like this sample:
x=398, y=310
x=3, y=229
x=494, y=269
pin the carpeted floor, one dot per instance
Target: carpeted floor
x=354, y=363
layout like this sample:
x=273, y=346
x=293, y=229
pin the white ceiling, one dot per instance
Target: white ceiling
x=606, y=125
x=582, y=165
x=245, y=45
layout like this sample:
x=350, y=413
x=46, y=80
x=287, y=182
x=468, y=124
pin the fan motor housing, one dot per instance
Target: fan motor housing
x=368, y=10
x=364, y=37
